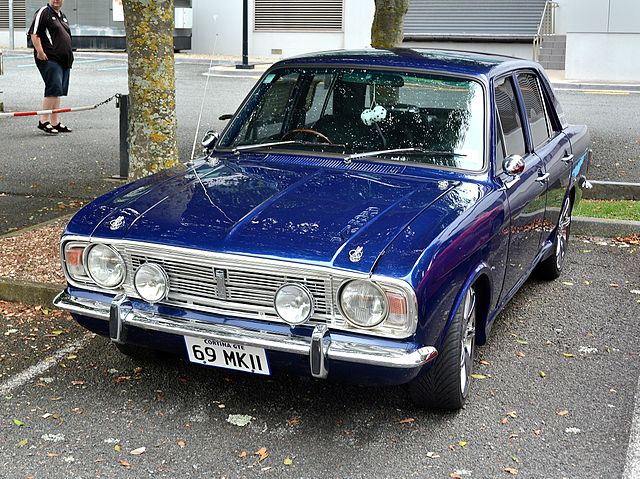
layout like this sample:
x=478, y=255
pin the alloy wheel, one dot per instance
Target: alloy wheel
x=467, y=339
x=562, y=235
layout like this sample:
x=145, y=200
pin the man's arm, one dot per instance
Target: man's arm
x=37, y=44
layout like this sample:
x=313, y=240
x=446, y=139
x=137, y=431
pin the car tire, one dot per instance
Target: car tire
x=445, y=384
x=551, y=267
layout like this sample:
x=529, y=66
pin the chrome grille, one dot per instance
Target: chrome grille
x=249, y=289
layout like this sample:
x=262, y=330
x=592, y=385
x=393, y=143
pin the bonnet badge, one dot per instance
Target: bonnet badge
x=116, y=223
x=355, y=255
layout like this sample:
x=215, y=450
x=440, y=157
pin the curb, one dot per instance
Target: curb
x=612, y=190
x=585, y=86
x=29, y=292
x=584, y=226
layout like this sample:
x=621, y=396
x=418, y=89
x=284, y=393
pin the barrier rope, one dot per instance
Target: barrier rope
x=58, y=110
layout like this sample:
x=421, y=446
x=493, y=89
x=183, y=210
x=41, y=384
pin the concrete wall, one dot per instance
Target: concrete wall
x=224, y=18
x=520, y=50
x=19, y=38
x=603, y=39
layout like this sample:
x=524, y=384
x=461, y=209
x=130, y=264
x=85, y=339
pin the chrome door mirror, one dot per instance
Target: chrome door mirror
x=209, y=139
x=513, y=165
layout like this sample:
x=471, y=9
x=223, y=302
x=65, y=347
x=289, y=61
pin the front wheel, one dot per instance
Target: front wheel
x=550, y=268
x=445, y=385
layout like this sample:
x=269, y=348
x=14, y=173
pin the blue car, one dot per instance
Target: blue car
x=364, y=216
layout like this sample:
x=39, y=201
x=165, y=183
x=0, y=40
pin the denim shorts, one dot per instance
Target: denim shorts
x=56, y=78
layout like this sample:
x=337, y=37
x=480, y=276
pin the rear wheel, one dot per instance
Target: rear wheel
x=445, y=385
x=551, y=267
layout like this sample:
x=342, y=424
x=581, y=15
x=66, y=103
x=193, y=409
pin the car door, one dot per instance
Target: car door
x=526, y=192
x=549, y=143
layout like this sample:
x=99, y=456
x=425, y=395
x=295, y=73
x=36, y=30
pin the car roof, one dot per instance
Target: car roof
x=450, y=61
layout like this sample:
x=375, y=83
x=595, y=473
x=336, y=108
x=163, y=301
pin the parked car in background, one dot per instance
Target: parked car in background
x=365, y=215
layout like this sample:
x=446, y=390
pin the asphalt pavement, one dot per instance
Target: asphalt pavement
x=73, y=406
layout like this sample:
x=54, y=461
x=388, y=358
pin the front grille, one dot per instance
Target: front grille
x=234, y=286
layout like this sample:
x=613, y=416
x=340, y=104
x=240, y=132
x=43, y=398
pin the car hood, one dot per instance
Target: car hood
x=333, y=217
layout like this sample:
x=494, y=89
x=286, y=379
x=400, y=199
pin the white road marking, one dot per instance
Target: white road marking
x=31, y=372
x=632, y=466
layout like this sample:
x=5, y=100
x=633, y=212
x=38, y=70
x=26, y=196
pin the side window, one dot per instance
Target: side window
x=534, y=105
x=510, y=138
x=317, y=98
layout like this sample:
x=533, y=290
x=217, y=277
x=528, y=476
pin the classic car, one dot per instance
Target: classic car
x=364, y=216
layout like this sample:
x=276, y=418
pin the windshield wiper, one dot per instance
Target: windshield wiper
x=257, y=146
x=401, y=150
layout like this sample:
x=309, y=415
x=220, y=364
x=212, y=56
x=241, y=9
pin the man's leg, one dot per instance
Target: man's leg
x=49, y=103
x=55, y=118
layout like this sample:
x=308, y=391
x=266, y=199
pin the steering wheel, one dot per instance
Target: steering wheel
x=307, y=130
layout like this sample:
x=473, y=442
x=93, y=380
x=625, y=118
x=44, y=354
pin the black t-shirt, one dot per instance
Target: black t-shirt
x=54, y=33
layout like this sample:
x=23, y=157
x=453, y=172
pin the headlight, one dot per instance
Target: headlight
x=105, y=266
x=293, y=304
x=363, y=303
x=151, y=282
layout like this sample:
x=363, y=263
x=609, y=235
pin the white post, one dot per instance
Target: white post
x=11, y=39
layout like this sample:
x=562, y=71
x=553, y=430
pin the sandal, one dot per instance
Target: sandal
x=62, y=128
x=48, y=128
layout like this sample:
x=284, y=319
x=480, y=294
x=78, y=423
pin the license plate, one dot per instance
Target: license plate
x=212, y=352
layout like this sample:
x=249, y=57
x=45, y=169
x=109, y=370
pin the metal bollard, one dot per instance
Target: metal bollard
x=122, y=102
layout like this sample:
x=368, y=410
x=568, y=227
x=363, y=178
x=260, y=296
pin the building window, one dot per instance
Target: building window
x=298, y=15
x=18, y=14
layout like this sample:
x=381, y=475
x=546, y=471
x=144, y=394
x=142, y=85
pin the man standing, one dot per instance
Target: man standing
x=51, y=38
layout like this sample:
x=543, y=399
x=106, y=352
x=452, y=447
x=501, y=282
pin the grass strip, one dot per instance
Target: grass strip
x=609, y=209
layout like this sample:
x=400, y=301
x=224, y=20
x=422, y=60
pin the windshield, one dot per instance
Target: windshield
x=436, y=120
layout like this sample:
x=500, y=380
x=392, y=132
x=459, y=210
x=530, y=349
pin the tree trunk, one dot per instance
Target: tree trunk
x=152, y=90
x=388, y=22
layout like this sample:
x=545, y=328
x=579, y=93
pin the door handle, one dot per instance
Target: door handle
x=542, y=178
x=567, y=158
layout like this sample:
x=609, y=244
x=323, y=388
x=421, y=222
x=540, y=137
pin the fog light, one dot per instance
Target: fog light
x=293, y=304
x=151, y=282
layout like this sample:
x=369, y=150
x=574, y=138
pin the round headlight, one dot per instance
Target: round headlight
x=105, y=266
x=363, y=304
x=151, y=282
x=293, y=304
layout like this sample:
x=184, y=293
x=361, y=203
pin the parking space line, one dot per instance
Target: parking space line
x=16, y=57
x=632, y=465
x=31, y=372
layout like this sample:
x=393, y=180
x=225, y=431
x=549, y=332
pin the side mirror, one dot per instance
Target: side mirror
x=209, y=139
x=513, y=165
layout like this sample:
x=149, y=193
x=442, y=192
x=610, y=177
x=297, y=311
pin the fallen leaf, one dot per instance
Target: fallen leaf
x=262, y=454
x=542, y=374
x=52, y=454
x=56, y=398
x=515, y=459
x=243, y=453
x=511, y=470
x=124, y=463
x=504, y=421
x=23, y=442
x=567, y=355
x=138, y=451
x=522, y=341
x=240, y=420
x=294, y=421
x=484, y=363
x=287, y=461
x=432, y=455
x=462, y=443
x=537, y=432
x=77, y=383
x=567, y=283
x=520, y=354
x=18, y=422
x=480, y=376
x=72, y=356
x=407, y=420
x=181, y=443
x=455, y=475
x=512, y=414
x=563, y=413
x=117, y=448
x=56, y=332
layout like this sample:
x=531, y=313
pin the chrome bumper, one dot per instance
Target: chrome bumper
x=319, y=347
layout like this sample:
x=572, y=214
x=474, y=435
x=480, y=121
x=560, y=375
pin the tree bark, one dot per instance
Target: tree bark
x=152, y=90
x=388, y=22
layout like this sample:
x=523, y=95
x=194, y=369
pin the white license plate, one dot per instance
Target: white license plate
x=222, y=354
